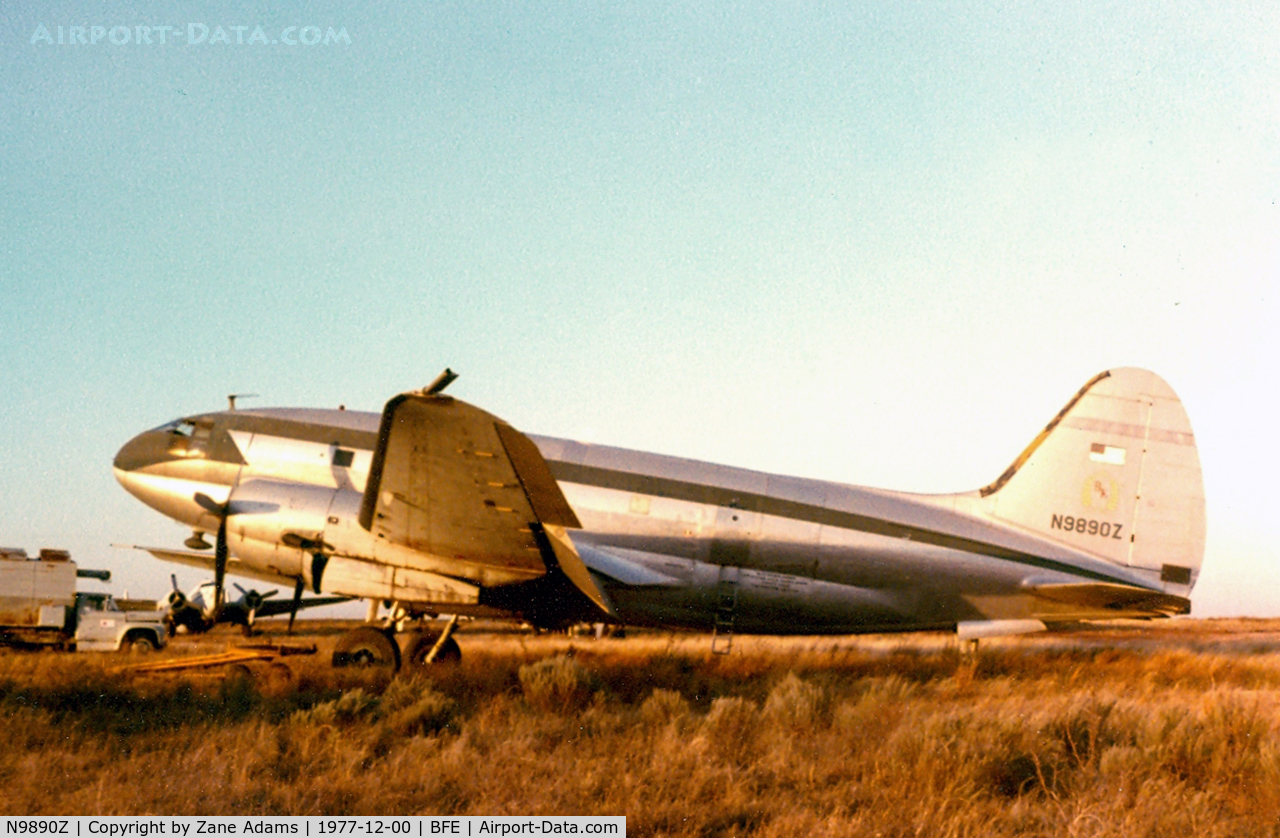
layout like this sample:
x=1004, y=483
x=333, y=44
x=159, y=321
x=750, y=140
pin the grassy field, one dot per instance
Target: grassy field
x=1161, y=730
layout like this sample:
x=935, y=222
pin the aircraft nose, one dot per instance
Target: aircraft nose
x=145, y=449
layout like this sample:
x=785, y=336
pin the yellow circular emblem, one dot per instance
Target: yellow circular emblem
x=1101, y=491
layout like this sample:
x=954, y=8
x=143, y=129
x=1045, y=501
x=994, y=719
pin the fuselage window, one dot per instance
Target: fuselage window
x=343, y=458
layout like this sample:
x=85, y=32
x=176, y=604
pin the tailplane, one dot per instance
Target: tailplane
x=1116, y=475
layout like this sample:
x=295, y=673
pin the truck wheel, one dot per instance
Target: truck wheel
x=139, y=644
x=367, y=646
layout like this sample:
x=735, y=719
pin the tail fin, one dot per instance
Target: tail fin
x=1115, y=474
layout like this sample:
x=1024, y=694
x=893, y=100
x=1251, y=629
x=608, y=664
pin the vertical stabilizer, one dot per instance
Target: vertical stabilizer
x=1115, y=474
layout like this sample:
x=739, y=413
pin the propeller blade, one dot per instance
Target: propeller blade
x=220, y=566
x=222, y=510
x=176, y=599
x=242, y=591
x=208, y=504
x=298, y=587
x=270, y=593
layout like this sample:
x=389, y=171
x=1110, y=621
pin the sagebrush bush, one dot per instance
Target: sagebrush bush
x=345, y=709
x=796, y=703
x=556, y=685
x=432, y=712
x=733, y=728
x=663, y=707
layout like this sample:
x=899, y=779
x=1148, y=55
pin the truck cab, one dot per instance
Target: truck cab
x=101, y=626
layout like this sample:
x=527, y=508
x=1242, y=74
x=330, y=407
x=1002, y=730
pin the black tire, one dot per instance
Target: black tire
x=420, y=645
x=139, y=644
x=367, y=647
x=239, y=672
x=279, y=674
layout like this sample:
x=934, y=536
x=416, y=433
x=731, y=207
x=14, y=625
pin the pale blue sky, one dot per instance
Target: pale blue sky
x=880, y=243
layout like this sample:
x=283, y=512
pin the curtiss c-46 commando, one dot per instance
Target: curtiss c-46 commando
x=437, y=506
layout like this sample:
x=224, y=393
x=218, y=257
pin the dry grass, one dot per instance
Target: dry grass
x=1133, y=732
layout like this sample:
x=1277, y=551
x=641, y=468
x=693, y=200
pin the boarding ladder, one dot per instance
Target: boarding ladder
x=726, y=605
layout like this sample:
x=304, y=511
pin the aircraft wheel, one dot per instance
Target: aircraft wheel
x=367, y=647
x=420, y=645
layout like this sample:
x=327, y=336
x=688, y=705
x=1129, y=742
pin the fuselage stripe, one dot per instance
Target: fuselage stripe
x=665, y=487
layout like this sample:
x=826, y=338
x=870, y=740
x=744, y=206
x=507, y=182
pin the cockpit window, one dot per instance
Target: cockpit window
x=189, y=438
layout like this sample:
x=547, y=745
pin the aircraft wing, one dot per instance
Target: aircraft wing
x=1113, y=597
x=453, y=481
x=204, y=561
x=273, y=607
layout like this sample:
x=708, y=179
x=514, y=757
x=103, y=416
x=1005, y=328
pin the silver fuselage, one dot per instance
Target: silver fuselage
x=671, y=541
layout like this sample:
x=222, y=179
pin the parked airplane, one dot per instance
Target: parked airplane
x=197, y=611
x=438, y=506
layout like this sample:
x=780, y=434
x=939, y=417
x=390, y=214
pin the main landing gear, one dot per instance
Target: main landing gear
x=368, y=646
x=376, y=647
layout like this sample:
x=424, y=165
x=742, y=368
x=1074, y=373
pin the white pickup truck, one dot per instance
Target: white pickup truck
x=39, y=606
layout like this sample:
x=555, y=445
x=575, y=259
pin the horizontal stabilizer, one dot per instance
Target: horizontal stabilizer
x=1112, y=597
